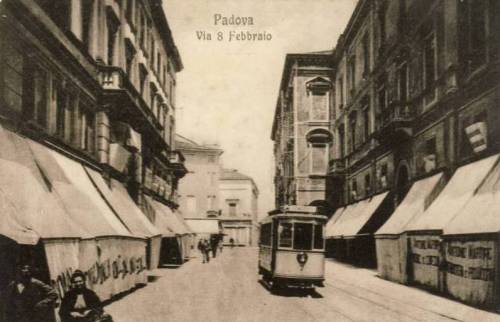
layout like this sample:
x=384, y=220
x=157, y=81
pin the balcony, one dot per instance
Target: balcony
x=336, y=167
x=176, y=160
x=394, y=124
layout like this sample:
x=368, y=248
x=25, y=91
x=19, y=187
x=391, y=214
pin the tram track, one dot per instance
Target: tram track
x=390, y=308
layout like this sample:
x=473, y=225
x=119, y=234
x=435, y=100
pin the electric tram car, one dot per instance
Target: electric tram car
x=292, y=248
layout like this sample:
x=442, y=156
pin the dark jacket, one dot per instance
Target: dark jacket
x=35, y=303
x=68, y=303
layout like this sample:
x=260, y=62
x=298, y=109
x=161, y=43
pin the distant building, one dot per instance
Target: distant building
x=239, y=196
x=303, y=140
x=199, y=190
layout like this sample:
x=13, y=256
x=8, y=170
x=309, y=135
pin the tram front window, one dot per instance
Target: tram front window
x=302, y=238
x=318, y=236
x=285, y=234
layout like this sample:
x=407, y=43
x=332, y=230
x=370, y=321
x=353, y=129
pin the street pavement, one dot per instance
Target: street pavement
x=228, y=289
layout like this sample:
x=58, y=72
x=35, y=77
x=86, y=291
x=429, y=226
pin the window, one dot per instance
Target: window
x=129, y=57
x=403, y=83
x=232, y=208
x=35, y=107
x=366, y=54
x=285, y=234
x=152, y=53
x=191, y=204
x=352, y=73
x=475, y=32
x=60, y=99
x=368, y=184
x=319, y=106
x=143, y=74
x=88, y=129
x=265, y=234
x=341, y=140
x=430, y=68
x=210, y=202
x=341, y=92
x=318, y=237
x=319, y=158
x=12, y=78
x=302, y=236
x=366, y=122
x=158, y=63
x=353, y=130
x=382, y=101
x=86, y=11
x=430, y=146
x=112, y=36
x=152, y=98
x=354, y=190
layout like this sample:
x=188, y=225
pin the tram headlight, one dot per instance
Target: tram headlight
x=302, y=259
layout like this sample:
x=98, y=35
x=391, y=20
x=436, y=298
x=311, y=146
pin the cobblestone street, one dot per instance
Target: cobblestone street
x=228, y=289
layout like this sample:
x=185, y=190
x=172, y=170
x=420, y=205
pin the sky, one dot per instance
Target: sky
x=227, y=91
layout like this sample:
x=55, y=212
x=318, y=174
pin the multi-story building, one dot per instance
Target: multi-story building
x=239, y=209
x=301, y=132
x=89, y=86
x=417, y=89
x=199, y=190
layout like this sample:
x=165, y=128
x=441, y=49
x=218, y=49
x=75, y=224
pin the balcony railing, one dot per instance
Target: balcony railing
x=111, y=77
x=396, y=120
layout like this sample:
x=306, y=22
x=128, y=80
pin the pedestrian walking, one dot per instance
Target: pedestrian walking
x=27, y=299
x=231, y=241
x=81, y=304
x=207, y=250
x=213, y=245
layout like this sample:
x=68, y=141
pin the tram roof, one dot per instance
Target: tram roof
x=294, y=215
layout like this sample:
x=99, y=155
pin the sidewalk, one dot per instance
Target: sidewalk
x=365, y=283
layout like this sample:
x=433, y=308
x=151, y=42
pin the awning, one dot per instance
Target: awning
x=24, y=191
x=203, y=226
x=180, y=218
x=454, y=196
x=165, y=214
x=331, y=223
x=119, y=200
x=356, y=216
x=412, y=205
x=159, y=219
x=77, y=193
x=10, y=227
x=480, y=215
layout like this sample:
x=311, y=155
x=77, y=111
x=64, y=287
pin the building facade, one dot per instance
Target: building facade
x=417, y=87
x=89, y=86
x=199, y=190
x=239, y=208
x=302, y=129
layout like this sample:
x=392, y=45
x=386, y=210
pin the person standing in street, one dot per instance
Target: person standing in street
x=207, y=250
x=27, y=299
x=202, y=247
x=213, y=245
x=81, y=304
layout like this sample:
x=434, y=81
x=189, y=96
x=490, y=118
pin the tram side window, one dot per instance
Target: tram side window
x=318, y=236
x=303, y=234
x=285, y=233
x=265, y=234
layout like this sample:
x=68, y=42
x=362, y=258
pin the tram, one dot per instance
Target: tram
x=292, y=247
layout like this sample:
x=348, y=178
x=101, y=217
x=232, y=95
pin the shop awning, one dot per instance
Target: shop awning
x=203, y=226
x=77, y=193
x=24, y=191
x=412, y=205
x=165, y=216
x=356, y=216
x=455, y=195
x=331, y=223
x=180, y=218
x=10, y=227
x=480, y=214
x=119, y=200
